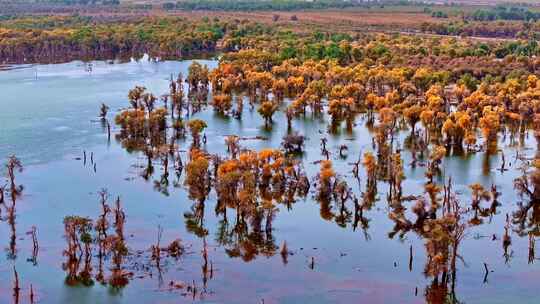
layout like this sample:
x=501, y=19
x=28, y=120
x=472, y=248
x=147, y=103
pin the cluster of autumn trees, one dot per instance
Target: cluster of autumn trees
x=441, y=113
x=449, y=108
x=249, y=182
x=59, y=39
x=456, y=56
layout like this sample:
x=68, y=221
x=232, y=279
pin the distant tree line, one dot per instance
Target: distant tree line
x=248, y=5
x=278, y=5
x=504, y=13
x=501, y=29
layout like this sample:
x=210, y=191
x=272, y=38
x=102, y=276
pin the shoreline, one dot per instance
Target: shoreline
x=13, y=65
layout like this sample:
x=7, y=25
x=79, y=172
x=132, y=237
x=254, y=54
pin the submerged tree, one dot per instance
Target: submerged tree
x=196, y=126
x=79, y=250
x=267, y=110
x=14, y=165
x=197, y=175
x=222, y=103
x=293, y=143
x=103, y=110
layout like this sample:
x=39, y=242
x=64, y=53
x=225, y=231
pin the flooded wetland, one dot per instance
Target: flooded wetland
x=298, y=249
x=307, y=162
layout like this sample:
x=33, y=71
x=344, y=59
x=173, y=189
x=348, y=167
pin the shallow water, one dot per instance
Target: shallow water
x=48, y=119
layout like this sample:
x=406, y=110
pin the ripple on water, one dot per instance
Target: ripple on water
x=61, y=128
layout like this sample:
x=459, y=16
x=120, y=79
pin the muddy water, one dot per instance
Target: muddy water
x=48, y=119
